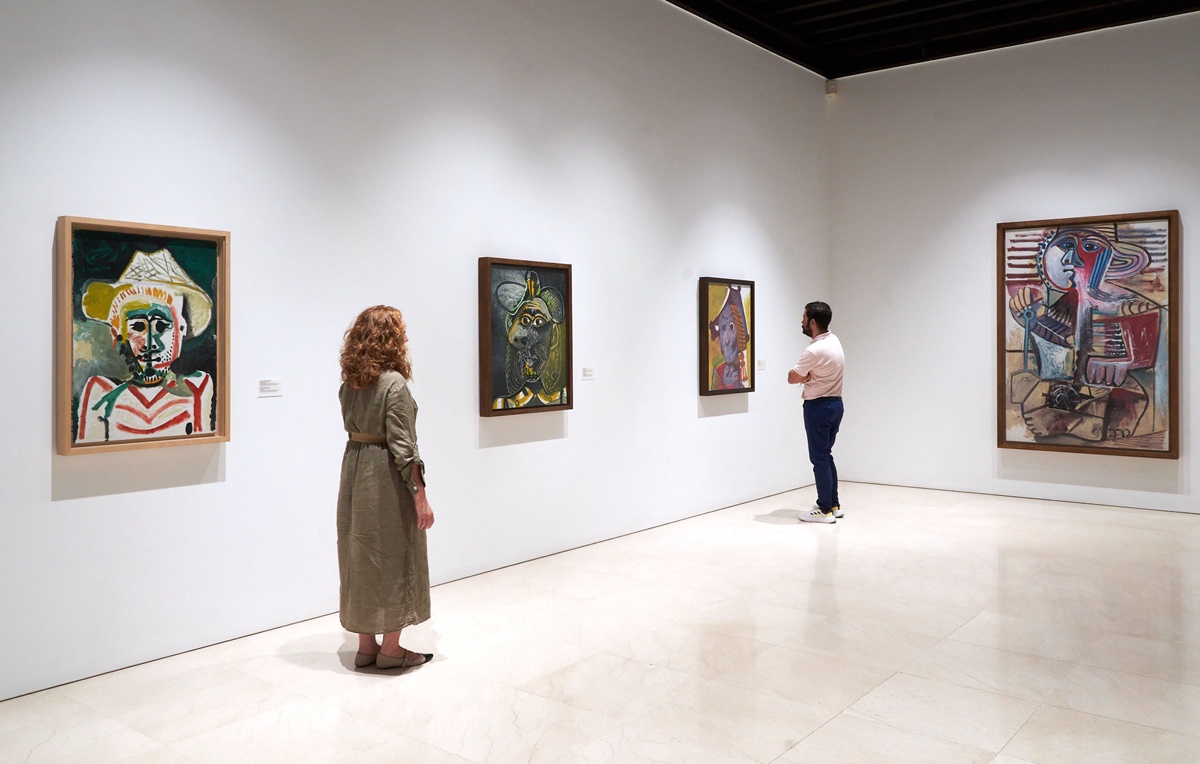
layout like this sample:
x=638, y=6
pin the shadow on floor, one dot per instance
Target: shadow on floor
x=783, y=516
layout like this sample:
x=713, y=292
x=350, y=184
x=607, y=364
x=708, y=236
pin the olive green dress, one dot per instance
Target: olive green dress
x=382, y=555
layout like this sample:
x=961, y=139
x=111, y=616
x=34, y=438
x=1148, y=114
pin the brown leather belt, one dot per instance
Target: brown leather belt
x=362, y=437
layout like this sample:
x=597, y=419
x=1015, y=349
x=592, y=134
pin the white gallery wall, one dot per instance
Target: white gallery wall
x=927, y=160
x=370, y=152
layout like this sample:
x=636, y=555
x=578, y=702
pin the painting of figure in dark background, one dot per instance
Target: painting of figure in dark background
x=143, y=345
x=528, y=340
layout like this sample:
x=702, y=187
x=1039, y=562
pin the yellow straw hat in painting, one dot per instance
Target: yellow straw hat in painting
x=153, y=274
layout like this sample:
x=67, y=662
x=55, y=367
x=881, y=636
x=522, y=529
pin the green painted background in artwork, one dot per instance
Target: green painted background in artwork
x=550, y=277
x=103, y=256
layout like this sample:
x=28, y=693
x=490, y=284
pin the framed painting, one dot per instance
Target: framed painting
x=726, y=336
x=141, y=336
x=524, y=336
x=1088, y=324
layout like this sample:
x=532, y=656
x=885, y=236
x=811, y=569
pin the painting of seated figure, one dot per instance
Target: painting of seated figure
x=1089, y=335
x=142, y=336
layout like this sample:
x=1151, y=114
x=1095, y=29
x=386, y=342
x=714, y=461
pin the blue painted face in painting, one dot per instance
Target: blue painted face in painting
x=1084, y=254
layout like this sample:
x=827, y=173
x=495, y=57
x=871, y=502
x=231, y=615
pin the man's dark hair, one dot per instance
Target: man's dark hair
x=821, y=313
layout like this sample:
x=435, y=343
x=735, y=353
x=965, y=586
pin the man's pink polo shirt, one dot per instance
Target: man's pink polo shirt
x=824, y=359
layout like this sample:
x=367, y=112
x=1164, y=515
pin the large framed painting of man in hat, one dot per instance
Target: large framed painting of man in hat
x=142, y=336
x=1088, y=321
x=524, y=336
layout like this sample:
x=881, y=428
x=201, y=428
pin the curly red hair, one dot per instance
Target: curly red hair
x=375, y=343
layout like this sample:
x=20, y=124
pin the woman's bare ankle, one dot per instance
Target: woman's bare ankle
x=367, y=644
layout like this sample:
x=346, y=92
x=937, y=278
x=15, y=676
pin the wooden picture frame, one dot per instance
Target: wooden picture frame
x=141, y=336
x=726, y=327
x=525, y=345
x=1088, y=329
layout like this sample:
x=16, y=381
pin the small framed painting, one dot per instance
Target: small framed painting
x=1088, y=335
x=726, y=336
x=524, y=336
x=141, y=336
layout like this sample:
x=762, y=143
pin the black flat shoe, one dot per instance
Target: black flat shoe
x=409, y=660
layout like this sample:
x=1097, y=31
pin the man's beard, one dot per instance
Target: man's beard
x=144, y=371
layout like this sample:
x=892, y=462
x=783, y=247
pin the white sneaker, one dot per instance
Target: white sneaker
x=817, y=515
x=837, y=511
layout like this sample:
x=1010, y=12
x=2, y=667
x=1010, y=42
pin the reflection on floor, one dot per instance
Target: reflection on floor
x=924, y=626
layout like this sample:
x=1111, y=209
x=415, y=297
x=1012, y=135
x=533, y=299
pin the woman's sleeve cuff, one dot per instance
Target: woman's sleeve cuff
x=406, y=474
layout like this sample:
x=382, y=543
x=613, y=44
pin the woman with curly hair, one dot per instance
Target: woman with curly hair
x=382, y=512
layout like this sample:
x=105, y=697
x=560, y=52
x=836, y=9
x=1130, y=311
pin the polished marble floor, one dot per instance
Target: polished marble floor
x=925, y=626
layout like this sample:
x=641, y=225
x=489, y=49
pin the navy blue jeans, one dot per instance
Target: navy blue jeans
x=822, y=418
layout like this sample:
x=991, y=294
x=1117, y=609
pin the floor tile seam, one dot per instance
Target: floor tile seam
x=752, y=690
x=1058, y=692
x=33, y=711
x=206, y=731
x=1057, y=619
x=822, y=712
x=988, y=689
x=458, y=755
x=864, y=717
x=673, y=735
x=260, y=712
x=82, y=688
x=850, y=708
x=1077, y=664
x=640, y=720
x=116, y=720
x=168, y=657
x=575, y=705
x=816, y=654
x=401, y=736
x=887, y=679
x=847, y=586
x=799, y=742
x=697, y=740
x=781, y=643
x=1111, y=718
x=1195, y=683
x=563, y=756
x=546, y=731
x=155, y=744
x=699, y=673
x=924, y=653
x=634, y=722
x=567, y=702
x=1030, y=698
x=947, y=636
x=295, y=695
x=1024, y=724
x=940, y=637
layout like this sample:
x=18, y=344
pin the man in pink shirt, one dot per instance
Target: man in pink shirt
x=820, y=371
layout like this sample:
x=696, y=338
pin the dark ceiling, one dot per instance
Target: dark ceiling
x=837, y=38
